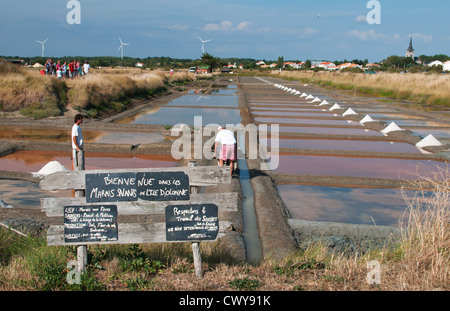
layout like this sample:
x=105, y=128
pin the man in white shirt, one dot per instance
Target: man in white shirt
x=228, y=150
x=78, y=143
x=86, y=68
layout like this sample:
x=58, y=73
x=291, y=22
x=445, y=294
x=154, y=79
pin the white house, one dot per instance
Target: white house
x=327, y=65
x=435, y=63
x=446, y=66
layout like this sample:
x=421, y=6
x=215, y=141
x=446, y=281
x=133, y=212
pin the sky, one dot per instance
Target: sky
x=258, y=29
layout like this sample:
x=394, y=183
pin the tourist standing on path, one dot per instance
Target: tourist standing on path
x=77, y=143
x=71, y=69
x=228, y=151
x=86, y=67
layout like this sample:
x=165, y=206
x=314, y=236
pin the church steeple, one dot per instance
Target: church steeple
x=410, y=50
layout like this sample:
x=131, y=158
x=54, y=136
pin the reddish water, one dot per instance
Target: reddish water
x=258, y=109
x=292, y=113
x=33, y=161
x=303, y=121
x=326, y=130
x=353, y=145
x=388, y=168
x=28, y=133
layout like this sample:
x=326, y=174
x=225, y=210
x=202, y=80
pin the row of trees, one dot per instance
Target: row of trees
x=390, y=63
x=414, y=65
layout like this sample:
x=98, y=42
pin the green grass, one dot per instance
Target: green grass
x=245, y=284
x=49, y=108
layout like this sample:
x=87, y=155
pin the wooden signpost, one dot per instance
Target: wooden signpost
x=173, y=192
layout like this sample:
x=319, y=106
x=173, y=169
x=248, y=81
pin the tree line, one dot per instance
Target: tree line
x=390, y=63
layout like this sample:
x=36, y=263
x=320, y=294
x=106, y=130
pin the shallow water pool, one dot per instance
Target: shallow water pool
x=33, y=161
x=387, y=168
x=384, y=207
x=175, y=115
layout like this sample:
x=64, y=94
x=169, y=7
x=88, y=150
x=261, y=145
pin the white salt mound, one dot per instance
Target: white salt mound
x=3, y=204
x=51, y=167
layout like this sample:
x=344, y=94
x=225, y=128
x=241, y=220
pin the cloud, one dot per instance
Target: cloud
x=226, y=26
x=177, y=27
x=371, y=35
x=291, y=32
x=308, y=32
x=361, y=19
x=242, y=26
x=422, y=37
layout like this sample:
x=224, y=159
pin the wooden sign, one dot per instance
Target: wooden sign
x=130, y=186
x=163, y=186
x=95, y=223
x=199, y=222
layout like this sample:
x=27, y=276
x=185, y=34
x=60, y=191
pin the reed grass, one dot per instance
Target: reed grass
x=40, y=96
x=20, y=89
x=422, y=88
x=426, y=234
x=98, y=91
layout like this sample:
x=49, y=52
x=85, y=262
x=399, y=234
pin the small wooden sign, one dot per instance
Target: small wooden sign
x=130, y=186
x=93, y=223
x=197, y=222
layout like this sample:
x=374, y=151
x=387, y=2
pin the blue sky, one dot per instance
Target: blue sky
x=324, y=29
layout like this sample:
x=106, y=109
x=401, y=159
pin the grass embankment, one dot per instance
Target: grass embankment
x=100, y=92
x=420, y=260
x=33, y=94
x=429, y=90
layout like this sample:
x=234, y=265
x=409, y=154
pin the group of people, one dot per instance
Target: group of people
x=62, y=71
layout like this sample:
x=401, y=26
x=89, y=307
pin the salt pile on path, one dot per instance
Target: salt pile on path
x=49, y=168
x=3, y=204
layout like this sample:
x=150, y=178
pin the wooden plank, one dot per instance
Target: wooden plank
x=199, y=176
x=227, y=202
x=129, y=233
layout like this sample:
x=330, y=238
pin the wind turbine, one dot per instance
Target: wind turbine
x=203, y=44
x=121, y=46
x=42, y=43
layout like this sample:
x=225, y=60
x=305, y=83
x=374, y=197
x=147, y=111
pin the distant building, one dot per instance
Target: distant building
x=446, y=66
x=410, y=50
x=435, y=63
x=203, y=69
x=327, y=65
x=226, y=70
x=371, y=66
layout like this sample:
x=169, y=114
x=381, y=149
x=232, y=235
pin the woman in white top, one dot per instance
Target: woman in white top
x=229, y=147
